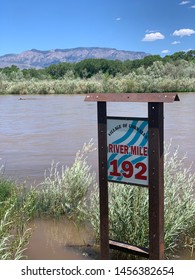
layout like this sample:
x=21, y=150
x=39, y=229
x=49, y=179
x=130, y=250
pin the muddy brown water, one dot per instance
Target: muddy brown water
x=59, y=239
x=36, y=130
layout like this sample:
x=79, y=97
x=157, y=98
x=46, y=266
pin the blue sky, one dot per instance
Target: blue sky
x=156, y=27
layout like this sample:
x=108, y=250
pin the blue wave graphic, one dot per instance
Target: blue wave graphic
x=137, y=135
x=127, y=134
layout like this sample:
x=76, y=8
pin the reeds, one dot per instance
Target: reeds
x=179, y=202
x=65, y=192
x=14, y=215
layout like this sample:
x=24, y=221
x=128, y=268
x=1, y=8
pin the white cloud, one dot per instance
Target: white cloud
x=184, y=32
x=118, y=18
x=165, y=51
x=184, y=2
x=153, y=37
x=176, y=42
x=193, y=7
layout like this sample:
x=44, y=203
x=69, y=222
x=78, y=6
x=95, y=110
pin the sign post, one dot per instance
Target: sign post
x=103, y=183
x=156, y=181
x=131, y=152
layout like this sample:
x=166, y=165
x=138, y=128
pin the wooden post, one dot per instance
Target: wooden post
x=103, y=183
x=156, y=181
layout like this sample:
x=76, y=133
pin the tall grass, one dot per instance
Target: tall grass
x=14, y=215
x=179, y=203
x=65, y=192
x=128, y=209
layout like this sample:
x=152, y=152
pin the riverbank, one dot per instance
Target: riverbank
x=72, y=193
x=137, y=83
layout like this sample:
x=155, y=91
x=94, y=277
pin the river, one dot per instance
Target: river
x=36, y=130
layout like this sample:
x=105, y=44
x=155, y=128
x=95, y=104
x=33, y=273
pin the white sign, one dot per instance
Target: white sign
x=127, y=150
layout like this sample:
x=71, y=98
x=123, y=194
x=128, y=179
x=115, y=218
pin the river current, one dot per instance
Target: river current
x=36, y=130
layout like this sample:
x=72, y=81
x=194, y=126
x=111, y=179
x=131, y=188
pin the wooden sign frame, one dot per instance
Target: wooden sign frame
x=156, y=171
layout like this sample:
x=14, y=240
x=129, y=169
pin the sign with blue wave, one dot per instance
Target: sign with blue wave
x=127, y=150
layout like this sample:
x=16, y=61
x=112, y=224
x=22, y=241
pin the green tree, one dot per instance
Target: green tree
x=57, y=71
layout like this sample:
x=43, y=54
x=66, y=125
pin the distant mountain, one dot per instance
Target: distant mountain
x=40, y=59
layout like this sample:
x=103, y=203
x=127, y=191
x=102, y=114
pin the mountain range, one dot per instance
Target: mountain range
x=39, y=59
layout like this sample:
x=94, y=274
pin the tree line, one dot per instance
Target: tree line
x=152, y=64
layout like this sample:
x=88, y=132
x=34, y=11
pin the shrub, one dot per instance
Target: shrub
x=65, y=192
x=14, y=215
x=179, y=203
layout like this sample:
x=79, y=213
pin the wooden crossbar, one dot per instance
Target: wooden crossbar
x=124, y=247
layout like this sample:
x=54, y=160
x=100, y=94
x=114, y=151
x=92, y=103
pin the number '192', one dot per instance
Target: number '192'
x=128, y=169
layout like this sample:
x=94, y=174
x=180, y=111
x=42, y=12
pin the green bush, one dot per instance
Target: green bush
x=14, y=215
x=66, y=192
x=6, y=189
x=132, y=82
